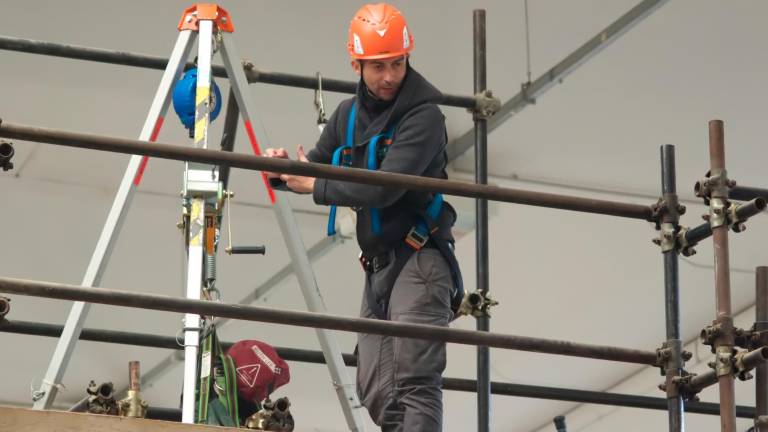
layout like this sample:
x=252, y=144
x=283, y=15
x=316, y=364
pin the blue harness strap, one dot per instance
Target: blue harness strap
x=374, y=157
x=342, y=156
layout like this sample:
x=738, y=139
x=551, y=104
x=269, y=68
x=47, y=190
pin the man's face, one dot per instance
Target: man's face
x=383, y=77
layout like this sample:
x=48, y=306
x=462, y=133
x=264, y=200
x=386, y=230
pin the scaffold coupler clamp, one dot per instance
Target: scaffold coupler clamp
x=477, y=304
x=711, y=333
x=666, y=213
x=6, y=154
x=681, y=386
x=713, y=189
x=485, y=105
x=686, y=249
x=720, y=337
x=740, y=368
x=670, y=359
x=251, y=72
x=667, y=355
x=749, y=339
x=101, y=398
x=5, y=307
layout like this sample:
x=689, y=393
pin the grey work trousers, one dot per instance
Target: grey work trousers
x=399, y=380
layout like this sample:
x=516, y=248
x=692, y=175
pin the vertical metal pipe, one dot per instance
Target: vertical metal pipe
x=761, y=325
x=724, y=342
x=670, y=220
x=481, y=233
x=134, y=376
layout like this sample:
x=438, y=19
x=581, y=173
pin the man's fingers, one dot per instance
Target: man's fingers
x=278, y=153
x=301, y=155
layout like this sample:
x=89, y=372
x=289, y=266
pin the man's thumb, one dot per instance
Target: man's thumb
x=301, y=155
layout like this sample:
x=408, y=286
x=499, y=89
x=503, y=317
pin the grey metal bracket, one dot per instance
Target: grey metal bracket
x=485, y=105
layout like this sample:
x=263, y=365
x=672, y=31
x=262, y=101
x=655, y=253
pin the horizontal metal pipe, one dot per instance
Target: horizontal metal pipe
x=379, y=178
x=696, y=234
x=550, y=393
x=746, y=193
x=744, y=211
x=150, y=340
x=325, y=321
x=752, y=208
x=154, y=62
x=310, y=356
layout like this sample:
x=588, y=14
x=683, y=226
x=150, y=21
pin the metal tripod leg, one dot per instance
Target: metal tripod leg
x=202, y=190
x=345, y=388
x=100, y=257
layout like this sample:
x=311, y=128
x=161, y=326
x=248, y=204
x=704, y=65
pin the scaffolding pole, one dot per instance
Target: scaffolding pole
x=316, y=357
x=324, y=321
x=379, y=178
x=670, y=217
x=252, y=74
x=724, y=341
x=481, y=222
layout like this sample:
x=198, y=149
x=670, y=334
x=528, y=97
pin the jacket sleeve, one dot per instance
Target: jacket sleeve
x=419, y=137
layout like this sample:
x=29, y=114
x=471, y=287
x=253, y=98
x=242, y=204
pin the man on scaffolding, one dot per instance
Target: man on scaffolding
x=411, y=274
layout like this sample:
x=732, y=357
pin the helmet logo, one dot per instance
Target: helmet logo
x=406, y=41
x=381, y=32
x=358, y=44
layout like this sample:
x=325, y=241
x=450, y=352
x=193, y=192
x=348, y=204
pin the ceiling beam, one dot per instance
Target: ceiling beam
x=555, y=75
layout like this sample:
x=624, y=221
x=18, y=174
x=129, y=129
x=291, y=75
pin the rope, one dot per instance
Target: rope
x=527, y=41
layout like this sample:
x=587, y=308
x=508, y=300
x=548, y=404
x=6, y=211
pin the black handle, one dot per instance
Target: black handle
x=254, y=250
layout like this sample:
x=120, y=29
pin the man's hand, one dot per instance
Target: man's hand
x=295, y=183
x=275, y=153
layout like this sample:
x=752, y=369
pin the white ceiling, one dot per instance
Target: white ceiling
x=560, y=275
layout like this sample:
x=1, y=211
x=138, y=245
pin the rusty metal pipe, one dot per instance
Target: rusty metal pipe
x=134, y=376
x=325, y=321
x=379, y=178
x=725, y=341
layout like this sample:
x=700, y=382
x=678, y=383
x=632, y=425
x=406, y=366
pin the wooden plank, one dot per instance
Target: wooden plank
x=27, y=420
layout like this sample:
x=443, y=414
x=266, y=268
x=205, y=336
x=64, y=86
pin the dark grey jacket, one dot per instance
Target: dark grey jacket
x=418, y=148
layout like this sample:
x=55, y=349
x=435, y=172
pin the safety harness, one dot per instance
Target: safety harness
x=418, y=236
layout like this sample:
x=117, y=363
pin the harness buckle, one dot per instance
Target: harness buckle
x=416, y=239
x=374, y=264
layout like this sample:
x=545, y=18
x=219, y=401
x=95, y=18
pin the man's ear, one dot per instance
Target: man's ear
x=356, y=66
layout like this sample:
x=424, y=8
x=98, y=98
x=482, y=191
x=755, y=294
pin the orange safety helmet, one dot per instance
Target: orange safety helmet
x=378, y=31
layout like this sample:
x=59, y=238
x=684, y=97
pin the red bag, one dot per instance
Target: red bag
x=260, y=370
